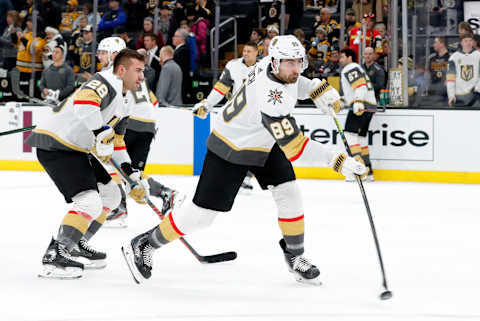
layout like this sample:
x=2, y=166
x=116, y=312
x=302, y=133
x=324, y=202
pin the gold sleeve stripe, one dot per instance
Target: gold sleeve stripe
x=294, y=149
x=118, y=142
x=78, y=220
x=87, y=97
x=153, y=98
x=451, y=77
x=169, y=230
x=145, y=120
x=292, y=227
x=359, y=83
x=221, y=88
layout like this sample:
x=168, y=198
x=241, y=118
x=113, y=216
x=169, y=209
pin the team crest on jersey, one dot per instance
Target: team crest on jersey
x=275, y=96
x=85, y=60
x=466, y=72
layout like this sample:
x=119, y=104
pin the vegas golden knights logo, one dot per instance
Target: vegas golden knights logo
x=466, y=72
x=86, y=60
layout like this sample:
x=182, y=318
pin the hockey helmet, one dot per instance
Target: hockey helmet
x=111, y=45
x=286, y=47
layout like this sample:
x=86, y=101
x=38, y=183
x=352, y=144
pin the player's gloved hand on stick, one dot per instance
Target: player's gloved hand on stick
x=103, y=145
x=138, y=191
x=201, y=109
x=325, y=97
x=347, y=165
x=358, y=108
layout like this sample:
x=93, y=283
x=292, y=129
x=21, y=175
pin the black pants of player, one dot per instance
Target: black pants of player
x=138, y=147
x=358, y=124
x=73, y=172
x=220, y=179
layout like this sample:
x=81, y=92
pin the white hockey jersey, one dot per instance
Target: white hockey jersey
x=463, y=75
x=98, y=102
x=142, y=104
x=230, y=80
x=257, y=116
x=356, y=86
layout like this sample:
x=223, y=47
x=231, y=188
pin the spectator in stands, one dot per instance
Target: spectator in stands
x=206, y=9
x=382, y=30
x=320, y=49
x=9, y=38
x=181, y=56
x=169, y=86
x=363, y=7
x=86, y=52
x=272, y=31
x=112, y=19
x=153, y=51
x=332, y=67
x=58, y=80
x=5, y=7
x=136, y=11
x=69, y=17
x=199, y=27
x=76, y=41
x=300, y=35
x=87, y=10
x=438, y=67
x=192, y=47
x=25, y=11
x=331, y=26
x=372, y=38
x=463, y=80
x=148, y=72
x=164, y=22
x=263, y=47
x=148, y=29
x=129, y=42
x=350, y=22
x=272, y=13
x=50, y=13
x=374, y=71
x=293, y=13
x=54, y=39
x=382, y=58
x=256, y=35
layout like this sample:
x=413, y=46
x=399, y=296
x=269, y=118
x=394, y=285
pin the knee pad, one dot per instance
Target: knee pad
x=88, y=202
x=288, y=199
x=110, y=195
x=190, y=218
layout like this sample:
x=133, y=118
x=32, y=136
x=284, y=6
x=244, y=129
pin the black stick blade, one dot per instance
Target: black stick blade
x=217, y=258
x=386, y=295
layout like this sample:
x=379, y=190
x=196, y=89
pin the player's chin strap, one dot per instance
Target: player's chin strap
x=367, y=207
x=221, y=257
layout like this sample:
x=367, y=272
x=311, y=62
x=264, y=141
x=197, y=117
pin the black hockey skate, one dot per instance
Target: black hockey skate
x=58, y=263
x=138, y=255
x=91, y=258
x=304, y=271
x=118, y=217
x=247, y=186
x=171, y=198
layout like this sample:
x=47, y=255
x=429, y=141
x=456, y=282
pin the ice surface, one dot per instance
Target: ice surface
x=429, y=235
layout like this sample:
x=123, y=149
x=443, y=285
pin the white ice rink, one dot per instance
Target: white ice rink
x=429, y=235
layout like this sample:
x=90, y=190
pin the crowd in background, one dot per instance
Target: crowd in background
x=63, y=50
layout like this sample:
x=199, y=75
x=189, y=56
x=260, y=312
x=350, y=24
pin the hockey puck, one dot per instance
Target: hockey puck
x=386, y=295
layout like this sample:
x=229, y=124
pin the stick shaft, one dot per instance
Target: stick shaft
x=18, y=130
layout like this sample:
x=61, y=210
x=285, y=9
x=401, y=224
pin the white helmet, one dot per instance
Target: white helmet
x=111, y=45
x=286, y=47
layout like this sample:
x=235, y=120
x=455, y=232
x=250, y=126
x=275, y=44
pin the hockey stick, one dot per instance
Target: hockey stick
x=221, y=257
x=18, y=130
x=387, y=294
x=185, y=108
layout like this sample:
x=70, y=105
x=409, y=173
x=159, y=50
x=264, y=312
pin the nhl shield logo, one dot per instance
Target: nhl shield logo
x=466, y=72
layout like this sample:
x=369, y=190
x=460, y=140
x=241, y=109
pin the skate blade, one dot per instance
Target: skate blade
x=115, y=224
x=53, y=272
x=91, y=264
x=130, y=260
x=315, y=282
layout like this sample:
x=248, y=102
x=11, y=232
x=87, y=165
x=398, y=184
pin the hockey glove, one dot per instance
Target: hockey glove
x=201, y=109
x=347, y=166
x=325, y=97
x=138, y=191
x=358, y=108
x=103, y=145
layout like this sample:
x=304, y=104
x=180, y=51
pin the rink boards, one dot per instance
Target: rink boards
x=405, y=145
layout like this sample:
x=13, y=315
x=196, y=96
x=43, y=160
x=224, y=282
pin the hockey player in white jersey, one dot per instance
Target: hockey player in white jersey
x=255, y=131
x=139, y=134
x=232, y=77
x=463, y=75
x=89, y=122
x=358, y=93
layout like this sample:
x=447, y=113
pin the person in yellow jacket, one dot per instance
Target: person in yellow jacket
x=29, y=56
